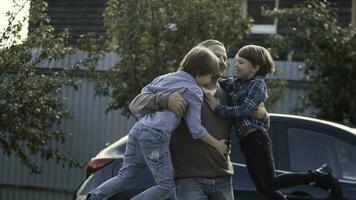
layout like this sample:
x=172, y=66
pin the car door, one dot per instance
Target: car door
x=308, y=145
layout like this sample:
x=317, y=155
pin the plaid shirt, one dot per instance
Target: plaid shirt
x=244, y=98
x=166, y=120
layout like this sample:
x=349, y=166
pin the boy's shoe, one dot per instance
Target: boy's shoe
x=81, y=197
x=327, y=181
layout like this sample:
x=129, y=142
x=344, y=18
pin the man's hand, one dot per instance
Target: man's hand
x=176, y=102
x=212, y=101
x=260, y=112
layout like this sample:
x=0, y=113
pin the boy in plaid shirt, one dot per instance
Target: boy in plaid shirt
x=245, y=93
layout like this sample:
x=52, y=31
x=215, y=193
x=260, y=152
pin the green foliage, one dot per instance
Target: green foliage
x=328, y=51
x=30, y=105
x=276, y=90
x=152, y=36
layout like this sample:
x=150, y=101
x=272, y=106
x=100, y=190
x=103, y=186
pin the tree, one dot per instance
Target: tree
x=30, y=104
x=329, y=53
x=151, y=37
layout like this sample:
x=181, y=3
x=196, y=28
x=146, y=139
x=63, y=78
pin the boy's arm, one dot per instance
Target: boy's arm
x=226, y=84
x=260, y=113
x=193, y=120
x=256, y=95
x=219, y=145
x=147, y=102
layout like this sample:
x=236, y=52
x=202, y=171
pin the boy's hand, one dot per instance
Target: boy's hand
x=222, y=147
x=212, y=101
x=176, y=103
x=260, y=112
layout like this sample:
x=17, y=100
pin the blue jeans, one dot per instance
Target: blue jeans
x=145, y=147
x=205, y=189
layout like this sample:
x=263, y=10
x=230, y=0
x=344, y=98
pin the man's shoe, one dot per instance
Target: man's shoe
x=327, y=181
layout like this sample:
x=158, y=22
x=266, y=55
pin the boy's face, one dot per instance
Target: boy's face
x=203, y=80
x=220, y=52
x=244, y=68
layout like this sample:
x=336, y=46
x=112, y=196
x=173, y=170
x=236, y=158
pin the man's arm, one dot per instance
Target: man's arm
x=262, y=114
x=147, y=102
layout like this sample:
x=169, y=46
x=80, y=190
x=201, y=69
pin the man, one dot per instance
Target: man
x=200, y=171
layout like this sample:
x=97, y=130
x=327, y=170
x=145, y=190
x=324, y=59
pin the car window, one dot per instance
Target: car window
x=310, y=149
x=346, y=155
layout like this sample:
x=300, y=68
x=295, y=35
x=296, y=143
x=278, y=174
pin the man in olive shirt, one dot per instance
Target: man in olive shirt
x=200, y=171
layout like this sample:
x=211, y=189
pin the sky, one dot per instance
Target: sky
x=8, y=5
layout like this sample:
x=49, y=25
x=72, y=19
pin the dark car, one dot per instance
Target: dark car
x=299, y=144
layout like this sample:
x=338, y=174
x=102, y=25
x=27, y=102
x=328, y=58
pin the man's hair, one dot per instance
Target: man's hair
x=210, y=42
x=200, y=61
x=258, y=55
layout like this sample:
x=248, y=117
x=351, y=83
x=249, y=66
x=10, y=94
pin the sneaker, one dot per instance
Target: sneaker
x=327, y=181
x=81, y=197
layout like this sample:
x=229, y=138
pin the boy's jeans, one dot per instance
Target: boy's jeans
x=205, y=189
x=145, y=146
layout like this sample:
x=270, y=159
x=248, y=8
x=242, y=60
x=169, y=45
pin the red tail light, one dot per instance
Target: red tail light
x=96, y=164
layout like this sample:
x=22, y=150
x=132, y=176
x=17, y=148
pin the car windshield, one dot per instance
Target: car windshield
x=114, y=150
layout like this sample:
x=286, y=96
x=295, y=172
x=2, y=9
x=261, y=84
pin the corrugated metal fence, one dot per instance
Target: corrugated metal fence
x=91, y=130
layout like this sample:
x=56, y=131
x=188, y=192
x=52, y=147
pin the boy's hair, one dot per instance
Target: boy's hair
x=258, y=55
x=210, y=42
x=200, y=61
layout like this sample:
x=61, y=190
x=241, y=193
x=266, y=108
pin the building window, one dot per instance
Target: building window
x=261, y=24
x=353, y=13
